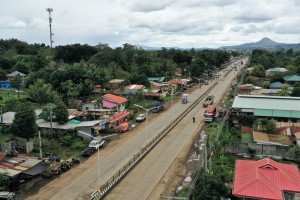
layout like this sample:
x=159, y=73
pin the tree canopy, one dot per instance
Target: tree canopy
x=24, y=124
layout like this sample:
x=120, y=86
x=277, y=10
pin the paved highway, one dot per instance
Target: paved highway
x=81, y=181
x=141, y=181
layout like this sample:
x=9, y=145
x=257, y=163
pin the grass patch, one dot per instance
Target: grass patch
x=247, y=138
x=6, y=95
x=66, y=147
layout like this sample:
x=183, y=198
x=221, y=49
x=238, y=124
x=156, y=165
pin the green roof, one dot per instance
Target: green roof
x=157, y=79
x=74, y=121
x=292, y=78
x=267, y=102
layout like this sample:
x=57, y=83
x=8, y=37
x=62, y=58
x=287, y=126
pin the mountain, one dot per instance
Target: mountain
x=147, y=48
x=264, y=43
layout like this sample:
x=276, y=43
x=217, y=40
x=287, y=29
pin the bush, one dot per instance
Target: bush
x=252, y=152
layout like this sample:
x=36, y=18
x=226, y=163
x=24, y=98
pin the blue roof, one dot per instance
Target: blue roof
x=275, y=85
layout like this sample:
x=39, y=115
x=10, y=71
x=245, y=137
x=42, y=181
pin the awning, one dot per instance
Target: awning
x=109, y=104
x=74, y=121
x=119, y=117
x=36, y=169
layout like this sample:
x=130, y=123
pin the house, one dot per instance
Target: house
x=275, y=70
x=113, y=101
x=276, y=85
x=5, y=85
x=290, y=129
x=292, y=79
x=245, y=89
x=14, y=165
x=265, y=179
x=266, y=92
x=119, y=118
x=271, y=139
x=267, y=106
x=15, y=73
x=157, y=79
x=97, y=88
x=133, y=89
x=115, y=83
x=90, y=105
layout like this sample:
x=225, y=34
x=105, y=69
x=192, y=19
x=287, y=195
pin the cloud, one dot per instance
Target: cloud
x=11, y=23
x=182, y=23
x=150, y=6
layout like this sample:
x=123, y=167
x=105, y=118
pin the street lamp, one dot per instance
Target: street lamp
x=146, y=119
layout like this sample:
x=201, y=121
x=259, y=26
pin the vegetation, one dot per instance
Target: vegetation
x=4, y=181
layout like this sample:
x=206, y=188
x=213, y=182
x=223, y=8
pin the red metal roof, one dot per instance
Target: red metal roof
x=115, y=98
x=118, y=116
x=265, y=179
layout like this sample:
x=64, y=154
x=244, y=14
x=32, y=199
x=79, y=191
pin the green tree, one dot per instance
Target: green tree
x=296, y=90
x=266, y=84
x=71, y=90
x=61, y=113
x=5, y=180
x=46, y=112
x=258, y=71
x=16, y=83
x=24, y=124
x=209, y=186
x=284, y=90
x=42, y=93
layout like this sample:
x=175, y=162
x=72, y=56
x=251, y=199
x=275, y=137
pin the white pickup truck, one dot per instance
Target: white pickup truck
x=96, y=143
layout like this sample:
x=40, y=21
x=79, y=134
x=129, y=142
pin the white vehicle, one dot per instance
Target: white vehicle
x=96, y=143
x=7, y=195
x=185, y=98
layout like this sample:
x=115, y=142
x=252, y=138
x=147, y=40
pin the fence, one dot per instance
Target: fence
x=108, y=185
x=262, y=149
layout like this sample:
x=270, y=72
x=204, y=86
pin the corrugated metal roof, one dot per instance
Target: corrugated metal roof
x=292, y=78
x=114, y=98
x=267, y=102
x=275, y=85
x=116, y=81
x=265, y=179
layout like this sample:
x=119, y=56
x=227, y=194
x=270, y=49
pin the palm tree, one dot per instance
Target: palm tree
x=42, y=93
x=284, y=90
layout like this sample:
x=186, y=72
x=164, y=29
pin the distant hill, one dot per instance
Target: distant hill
x=264, y=43
x=147, y=48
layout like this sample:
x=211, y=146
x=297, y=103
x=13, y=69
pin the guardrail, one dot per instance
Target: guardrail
x=108, y=185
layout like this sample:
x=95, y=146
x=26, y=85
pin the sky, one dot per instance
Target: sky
x=154, y=23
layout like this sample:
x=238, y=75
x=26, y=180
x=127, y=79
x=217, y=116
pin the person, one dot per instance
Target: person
x=193, y=119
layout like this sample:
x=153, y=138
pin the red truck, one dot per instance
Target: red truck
x=210, y=113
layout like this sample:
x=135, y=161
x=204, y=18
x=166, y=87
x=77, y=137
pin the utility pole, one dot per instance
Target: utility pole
x=40, y=139
x=51, y=124
x=51, y=33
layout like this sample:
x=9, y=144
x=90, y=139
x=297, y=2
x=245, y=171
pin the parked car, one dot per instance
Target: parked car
x=157, y=106
x=7, y=195
x=141, y=117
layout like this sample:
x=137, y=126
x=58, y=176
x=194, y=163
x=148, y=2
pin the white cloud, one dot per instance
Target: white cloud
x=11, y=23
x=182, y=23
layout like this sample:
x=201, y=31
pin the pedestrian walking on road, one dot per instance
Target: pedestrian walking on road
x=193, y=119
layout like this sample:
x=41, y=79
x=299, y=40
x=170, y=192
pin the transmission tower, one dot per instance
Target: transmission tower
x=50, y=25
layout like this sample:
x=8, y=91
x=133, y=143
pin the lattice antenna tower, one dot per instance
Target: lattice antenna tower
x=50, y=26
